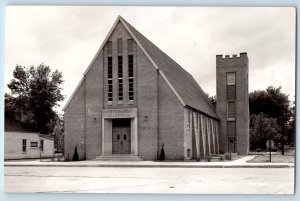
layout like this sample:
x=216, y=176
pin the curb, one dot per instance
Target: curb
x=153, y=166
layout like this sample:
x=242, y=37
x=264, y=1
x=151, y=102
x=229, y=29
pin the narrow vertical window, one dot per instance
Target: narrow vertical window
x=130, y=77
x=196, y=122
x=231, y=88
x=231, y=110
x=109, y=47
x=109, y=79
x=130, y=45
x=42, y=145
x=24, y=146
x=231, y=95
x=188, y=125
x=120, y=77
x=119, y=46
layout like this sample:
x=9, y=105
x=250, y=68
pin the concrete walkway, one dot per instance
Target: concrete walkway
x=239, y=163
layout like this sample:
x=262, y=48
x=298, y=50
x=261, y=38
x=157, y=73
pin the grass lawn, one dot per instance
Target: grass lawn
x=275, y=158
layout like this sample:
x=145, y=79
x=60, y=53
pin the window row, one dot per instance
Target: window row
x=197, y=120
x=120, y=78
x=231, y=95
x=130, y=48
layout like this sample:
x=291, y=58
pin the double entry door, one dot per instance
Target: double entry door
x=121, y=142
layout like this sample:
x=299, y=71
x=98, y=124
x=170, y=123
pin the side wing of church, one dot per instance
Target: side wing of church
x=134, y=102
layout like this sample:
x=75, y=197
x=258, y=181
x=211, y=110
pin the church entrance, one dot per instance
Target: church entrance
x=121, y=139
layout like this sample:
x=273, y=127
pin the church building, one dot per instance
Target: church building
x=136, y=103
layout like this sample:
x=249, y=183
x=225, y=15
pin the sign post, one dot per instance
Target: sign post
x=270, y=145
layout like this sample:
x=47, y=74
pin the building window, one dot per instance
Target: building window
x=231, y=92
x=196, y=122
x=231, y=78
x=120, y=77
x=34, y=144
x=42, y=145
x=119, y=46
x=130, y=77
x=188, y=125
x=130, y=45
x=109, y=79
x=24, y=146
x=231, y=129
x=231, y=110
x=188, y=153
x=109, y=47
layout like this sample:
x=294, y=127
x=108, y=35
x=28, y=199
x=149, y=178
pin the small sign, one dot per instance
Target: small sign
x=270, y=143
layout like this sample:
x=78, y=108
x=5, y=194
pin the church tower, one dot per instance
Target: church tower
x=233, y=103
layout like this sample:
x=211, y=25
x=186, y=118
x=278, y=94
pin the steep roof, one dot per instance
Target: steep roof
x=181, y=82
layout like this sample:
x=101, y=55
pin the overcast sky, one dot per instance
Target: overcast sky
x=67, y=38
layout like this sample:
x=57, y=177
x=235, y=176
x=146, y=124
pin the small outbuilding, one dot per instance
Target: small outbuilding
x=23, y=142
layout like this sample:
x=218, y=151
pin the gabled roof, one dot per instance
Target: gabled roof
x=181, y=82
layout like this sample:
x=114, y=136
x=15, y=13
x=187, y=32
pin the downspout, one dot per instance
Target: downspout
x=157, y=112
x=85, y=120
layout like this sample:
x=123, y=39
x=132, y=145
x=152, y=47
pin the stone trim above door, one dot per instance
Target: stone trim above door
x=107, y=116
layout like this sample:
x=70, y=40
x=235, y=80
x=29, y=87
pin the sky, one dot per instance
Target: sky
x=67, y=38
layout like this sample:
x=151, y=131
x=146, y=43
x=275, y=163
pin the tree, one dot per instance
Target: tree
x=273, y=103
x=212, y=99
x=58, y=133
x=291, y=125
x=263, y=128
x=35, y=91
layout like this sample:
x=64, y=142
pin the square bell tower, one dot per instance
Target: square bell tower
x=233, y=103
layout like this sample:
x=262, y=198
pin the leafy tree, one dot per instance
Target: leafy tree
x=58, y=133
x=273, y=103
x=35, y=91
x=212, y=99
x=291, y=126
x=263, y=128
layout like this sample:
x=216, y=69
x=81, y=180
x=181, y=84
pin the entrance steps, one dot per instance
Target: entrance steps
x=118, y=157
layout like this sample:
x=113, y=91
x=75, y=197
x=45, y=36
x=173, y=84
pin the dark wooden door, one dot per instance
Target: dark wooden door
x=121, y=142
x=231, y=145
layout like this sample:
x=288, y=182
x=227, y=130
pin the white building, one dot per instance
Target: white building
x=23, y=143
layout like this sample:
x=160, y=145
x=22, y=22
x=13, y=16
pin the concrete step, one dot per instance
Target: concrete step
x=118, y=157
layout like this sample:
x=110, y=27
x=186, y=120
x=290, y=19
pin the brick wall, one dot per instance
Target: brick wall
x=74, y=123
x=171, y=122
x=93, y=108
x=147, y=86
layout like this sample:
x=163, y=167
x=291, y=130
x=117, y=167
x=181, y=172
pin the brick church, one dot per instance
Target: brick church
x=134, y=102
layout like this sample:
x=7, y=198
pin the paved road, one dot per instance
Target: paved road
x=150, y=180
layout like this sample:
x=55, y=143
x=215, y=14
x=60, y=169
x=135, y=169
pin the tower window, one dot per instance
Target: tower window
x=130, y=45
x=119, y=46
x=120, y=77
x=109, y=47
x=231, y=78
x=130, y=78
x=109, y=79
x=231, y=128
x=231, y=92
x=231, y=110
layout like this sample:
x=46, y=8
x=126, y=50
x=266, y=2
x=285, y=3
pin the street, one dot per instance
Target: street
x=149, y=180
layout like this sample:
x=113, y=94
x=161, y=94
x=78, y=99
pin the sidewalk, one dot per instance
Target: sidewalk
x=239, y=163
